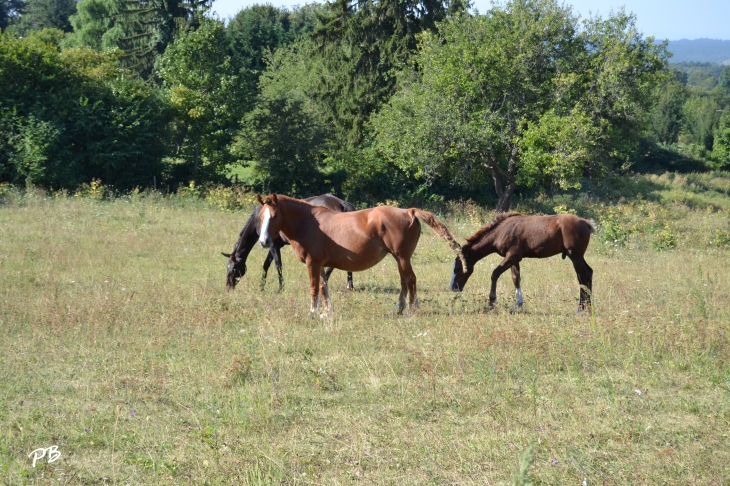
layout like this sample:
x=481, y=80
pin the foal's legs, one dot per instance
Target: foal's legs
x=585, y=279
x=501, y=268
x=516, y=280
x=407, y=285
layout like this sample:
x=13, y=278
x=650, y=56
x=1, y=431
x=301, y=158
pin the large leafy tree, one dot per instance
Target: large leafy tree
x=67, y=117
x=339, y=75
x=207, y=94
x=666, y=118
x=521, y=95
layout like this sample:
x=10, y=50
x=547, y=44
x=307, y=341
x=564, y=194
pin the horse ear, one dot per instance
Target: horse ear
x=227, y=255
x=274, y=200
x=258, y=198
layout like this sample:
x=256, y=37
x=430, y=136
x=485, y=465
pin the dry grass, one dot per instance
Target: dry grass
x=121, y=346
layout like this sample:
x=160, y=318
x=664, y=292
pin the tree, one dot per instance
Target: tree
x=521, y=95
x=666, y=118
x=10, y=11
x=724, y=80
x=67, y=117
x=150, y=25
x=202, y=85
x=44, y=14
x=142, y=29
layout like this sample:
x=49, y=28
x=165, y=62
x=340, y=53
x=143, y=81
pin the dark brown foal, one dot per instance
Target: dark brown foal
x=515, y=236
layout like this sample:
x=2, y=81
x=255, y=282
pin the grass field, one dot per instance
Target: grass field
x=121, y=347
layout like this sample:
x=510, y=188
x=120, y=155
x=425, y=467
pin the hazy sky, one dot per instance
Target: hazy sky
x=663, y=19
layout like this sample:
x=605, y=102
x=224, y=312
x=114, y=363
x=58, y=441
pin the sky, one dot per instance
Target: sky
x=663, y=19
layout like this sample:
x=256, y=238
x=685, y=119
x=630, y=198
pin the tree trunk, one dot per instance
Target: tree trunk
x=504, y=185
x=196, y=160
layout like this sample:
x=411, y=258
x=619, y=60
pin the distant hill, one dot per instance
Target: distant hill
x=700, y=50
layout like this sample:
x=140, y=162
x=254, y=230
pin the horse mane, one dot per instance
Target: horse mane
x=482, y=232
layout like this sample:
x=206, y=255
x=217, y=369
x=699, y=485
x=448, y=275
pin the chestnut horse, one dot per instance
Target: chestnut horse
x=349, y=241
x=250, y=234
x=515, y=236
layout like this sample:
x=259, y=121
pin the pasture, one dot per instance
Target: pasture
x=121, y=346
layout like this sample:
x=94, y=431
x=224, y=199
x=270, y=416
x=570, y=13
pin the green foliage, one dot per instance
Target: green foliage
x=665, y=239
x=721, y=141
x=10, y=12
x=260, y=29
x=67, y=117
x=44, y=14
x=94, y=25
x=494, y=95
x=724, y=79
x=666, y=118
x=208, y=96
x=701, y=115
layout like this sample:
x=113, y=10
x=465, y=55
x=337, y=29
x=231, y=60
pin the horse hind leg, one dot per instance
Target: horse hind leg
x=408, y=286
x=324, y=290
x=519, y=300
x=585, y=279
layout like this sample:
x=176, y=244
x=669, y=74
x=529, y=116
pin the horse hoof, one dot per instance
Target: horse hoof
x=515, y=309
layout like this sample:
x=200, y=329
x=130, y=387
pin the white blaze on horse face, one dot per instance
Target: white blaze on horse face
x=265, y=227
x=520, y=300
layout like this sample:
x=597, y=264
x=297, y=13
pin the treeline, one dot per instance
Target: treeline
x=690, y=121
x=369, y=99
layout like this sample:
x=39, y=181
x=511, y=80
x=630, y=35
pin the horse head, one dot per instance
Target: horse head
x=270, y=220
x=463, y=269
x=236, y=269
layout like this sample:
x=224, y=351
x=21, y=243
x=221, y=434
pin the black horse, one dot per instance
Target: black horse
x=250, y=234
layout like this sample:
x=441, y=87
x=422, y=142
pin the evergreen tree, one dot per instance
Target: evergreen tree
x=150, y=25
x=44, y=14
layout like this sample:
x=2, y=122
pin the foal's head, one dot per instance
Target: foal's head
x=463, y=269
x=236, y=269
x=270, y=220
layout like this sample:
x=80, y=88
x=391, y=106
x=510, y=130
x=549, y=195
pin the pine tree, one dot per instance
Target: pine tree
x=148, y=26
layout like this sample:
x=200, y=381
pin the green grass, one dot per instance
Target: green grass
x=121, y=346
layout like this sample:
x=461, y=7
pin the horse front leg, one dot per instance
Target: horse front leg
x=315, y=275
x=501, y=268
x=518, y=292
x=276, y=251
x=350, y=285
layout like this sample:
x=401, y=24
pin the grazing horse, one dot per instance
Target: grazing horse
x=349, y=241
x=249, y=236
x=515, y=236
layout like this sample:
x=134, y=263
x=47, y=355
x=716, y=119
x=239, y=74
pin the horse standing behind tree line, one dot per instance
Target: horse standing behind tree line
x=250, y=234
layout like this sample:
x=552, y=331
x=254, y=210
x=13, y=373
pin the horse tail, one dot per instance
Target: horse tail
x=440, y=229
x=592, y=224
